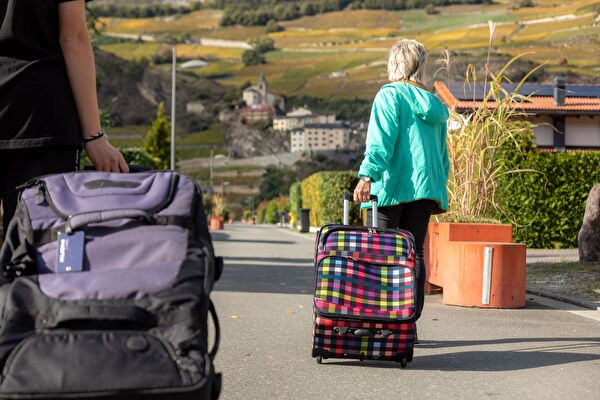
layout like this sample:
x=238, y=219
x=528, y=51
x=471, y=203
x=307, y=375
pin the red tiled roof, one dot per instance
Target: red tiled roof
x=536, y=103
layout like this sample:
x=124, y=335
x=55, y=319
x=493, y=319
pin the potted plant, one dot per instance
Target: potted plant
x=217, y=220
x=456, y=241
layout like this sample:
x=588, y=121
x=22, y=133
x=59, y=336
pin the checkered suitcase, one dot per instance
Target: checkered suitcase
x=365, y=292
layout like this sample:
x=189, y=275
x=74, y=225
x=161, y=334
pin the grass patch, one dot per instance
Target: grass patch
x=186, y=153
x=132, y=50
x=571, y=279
x=214, y=135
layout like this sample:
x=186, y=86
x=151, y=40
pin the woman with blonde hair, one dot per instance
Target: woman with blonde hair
x=406, y=159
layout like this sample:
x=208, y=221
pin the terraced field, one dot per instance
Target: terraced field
x=354, y=43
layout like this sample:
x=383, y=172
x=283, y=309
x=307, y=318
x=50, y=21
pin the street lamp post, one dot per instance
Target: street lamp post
x=173, y=102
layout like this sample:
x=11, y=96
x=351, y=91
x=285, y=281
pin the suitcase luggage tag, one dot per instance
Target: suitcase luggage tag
x=69, y=252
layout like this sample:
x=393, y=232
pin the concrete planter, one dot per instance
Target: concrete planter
x=455, y=256
x=217, y=223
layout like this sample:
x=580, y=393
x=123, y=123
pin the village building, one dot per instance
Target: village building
x=299, y=117
x=315, y=137
x=566, y=117
x=261, y=106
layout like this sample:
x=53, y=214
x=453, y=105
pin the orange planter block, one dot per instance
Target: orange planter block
x=217, y=223
x=441, y=234
x=464, y=282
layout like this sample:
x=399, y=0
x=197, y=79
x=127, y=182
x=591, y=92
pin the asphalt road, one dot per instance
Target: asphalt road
x=548, y=350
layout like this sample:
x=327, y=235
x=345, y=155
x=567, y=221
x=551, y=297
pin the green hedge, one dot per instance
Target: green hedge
x=295, y=198
x=546, y=207
x=323, y=194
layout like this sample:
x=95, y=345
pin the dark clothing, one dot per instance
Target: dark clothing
x=413, y=217
x=36, y=104
x=17, y=166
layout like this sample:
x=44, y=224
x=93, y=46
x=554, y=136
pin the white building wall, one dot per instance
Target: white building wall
x=543, y=131
x=583, y=131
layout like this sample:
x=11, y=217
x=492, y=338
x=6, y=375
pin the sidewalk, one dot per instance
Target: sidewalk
x=265, y=306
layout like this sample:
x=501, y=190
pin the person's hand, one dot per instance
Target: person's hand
x=362, y=192
x=105, y=157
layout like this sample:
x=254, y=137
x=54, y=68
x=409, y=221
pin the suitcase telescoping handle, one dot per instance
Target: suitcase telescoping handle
x=348, y=197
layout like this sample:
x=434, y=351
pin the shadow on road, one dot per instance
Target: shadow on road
x=295, y=261
x=271, y=278
x=543, y=352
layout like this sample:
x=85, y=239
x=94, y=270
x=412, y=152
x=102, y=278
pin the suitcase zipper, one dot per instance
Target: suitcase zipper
x=371, y=231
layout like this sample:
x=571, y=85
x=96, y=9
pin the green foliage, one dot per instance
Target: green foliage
x=276, y=182
x=263, y=44
x=137, y=156
x=295, y=198
x=158, y=139
x=270, y=217
x=273, y=26
x=149, y=11
x=252, y=57
x=547, y=207
x=323, y=194
x=260, y=12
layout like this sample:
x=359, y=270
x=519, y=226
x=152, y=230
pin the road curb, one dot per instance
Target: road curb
x=565, y=299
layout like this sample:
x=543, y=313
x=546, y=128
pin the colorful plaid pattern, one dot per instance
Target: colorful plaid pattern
x=329, y=343
x=348, y=287
x=382, y=244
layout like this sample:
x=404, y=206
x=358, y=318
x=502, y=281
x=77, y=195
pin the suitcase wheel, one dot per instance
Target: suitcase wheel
x=403, y=363
x=319, y=359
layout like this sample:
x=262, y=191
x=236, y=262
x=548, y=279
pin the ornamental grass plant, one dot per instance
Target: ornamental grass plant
x=475, y=143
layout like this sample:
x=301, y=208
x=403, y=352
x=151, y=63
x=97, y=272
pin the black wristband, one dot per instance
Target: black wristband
x=92, y=138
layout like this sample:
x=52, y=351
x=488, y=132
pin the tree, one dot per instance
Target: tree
x=158, y=139
x=252, y=57
x=264, y=44
x=273, y=26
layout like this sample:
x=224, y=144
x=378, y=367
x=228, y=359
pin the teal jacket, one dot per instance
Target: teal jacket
x=406, y=154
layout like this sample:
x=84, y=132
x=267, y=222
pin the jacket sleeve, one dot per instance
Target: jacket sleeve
x=382, y=134
x=445, y=158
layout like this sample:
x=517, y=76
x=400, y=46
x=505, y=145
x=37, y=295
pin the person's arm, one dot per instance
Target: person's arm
x=382, y=135
x=79, y=59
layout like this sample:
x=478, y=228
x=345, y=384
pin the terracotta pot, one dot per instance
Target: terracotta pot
x=467, y=284
x=454, y=258
x=243, y=220
x=440, y=234
x=217, y=223
x=252, y=221
x=230, y=221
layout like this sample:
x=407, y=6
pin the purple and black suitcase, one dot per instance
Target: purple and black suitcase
x=365, y=292
x=105, y=290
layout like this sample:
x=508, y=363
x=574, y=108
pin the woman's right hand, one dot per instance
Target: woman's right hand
x=362, y=193
x=105, y=156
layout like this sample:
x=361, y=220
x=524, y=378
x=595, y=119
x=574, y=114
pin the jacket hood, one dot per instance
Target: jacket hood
x=426, y=105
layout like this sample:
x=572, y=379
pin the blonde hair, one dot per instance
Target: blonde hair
x=407, y=58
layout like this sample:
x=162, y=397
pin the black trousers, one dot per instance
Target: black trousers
x=17, y=166
x=413, y=217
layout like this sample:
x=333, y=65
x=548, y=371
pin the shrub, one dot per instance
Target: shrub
x=546, y=208
x=273, y=26
x=295, y=198
x=158, y=139
x=323, y=194
x=270, y=217
x=252, y=57
x=261, y=211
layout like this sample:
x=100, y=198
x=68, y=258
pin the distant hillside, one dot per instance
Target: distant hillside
x=132, y=90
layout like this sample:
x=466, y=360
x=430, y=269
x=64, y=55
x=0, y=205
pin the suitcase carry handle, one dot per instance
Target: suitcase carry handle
x=348, y=197
x=344, y=330
x=80, y=220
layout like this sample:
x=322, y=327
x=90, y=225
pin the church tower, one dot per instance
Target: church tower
x=262, y=87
